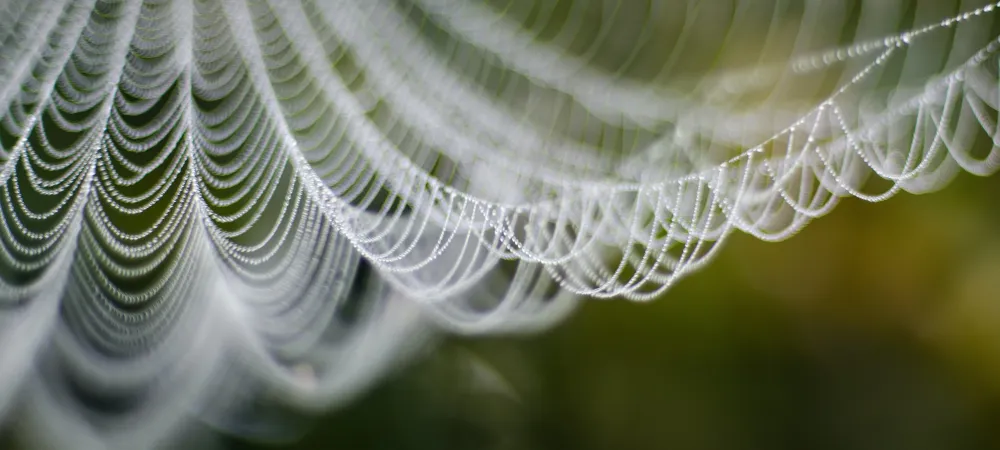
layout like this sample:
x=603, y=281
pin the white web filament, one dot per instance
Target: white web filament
x=204, y=198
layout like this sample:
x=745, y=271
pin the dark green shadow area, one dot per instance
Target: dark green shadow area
x=872, y=329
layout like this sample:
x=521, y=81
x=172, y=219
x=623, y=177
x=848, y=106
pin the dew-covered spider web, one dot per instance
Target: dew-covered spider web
x=208, y=201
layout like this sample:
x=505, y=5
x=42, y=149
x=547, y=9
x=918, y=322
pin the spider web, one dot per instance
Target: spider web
x=205, y=200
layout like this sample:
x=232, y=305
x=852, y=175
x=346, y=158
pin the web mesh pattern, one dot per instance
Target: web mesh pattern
x=204, y=197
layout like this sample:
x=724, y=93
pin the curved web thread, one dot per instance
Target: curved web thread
x=301, y=190
x=823, y=150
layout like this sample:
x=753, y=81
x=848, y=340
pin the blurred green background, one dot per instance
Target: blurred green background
x=874, y=328
x=877, y=327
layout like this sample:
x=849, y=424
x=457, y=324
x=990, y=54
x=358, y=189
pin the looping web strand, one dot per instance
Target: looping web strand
x=301, y=191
